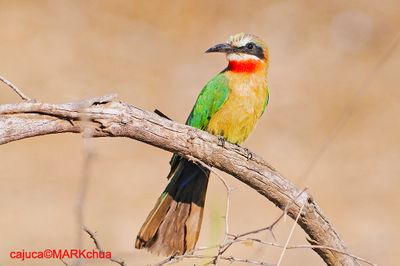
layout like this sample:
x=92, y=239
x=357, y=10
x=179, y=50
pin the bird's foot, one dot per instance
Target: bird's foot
x=249, y=154
x=221, y=141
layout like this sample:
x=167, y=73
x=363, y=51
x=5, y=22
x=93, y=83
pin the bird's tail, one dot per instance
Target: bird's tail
x=173, y=226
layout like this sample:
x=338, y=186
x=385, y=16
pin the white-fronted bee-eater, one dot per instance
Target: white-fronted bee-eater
x=229, y=106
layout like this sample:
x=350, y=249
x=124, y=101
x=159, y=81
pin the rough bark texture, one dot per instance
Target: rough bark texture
x=102, y=117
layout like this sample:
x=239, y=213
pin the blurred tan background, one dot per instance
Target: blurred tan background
x=332, y=70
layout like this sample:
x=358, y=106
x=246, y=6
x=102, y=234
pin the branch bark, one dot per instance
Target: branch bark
x=103, y=117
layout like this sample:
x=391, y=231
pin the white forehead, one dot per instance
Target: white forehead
x=240, y=40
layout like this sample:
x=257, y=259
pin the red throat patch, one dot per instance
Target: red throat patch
x=245, y=66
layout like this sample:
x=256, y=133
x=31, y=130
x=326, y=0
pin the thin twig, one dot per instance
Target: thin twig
x=64, y=262
x=228, y=202
x=231, y=259
x=290, y=236
x=98, y=247
x=272, y=225
x=15, y=89
x=307, y=247
x=82, y=194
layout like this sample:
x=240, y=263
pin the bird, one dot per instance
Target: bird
x=228, y=106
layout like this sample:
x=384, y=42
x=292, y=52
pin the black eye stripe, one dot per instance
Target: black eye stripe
x=255, y=50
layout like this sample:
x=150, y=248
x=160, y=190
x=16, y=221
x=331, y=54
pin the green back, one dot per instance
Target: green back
x=210, y=100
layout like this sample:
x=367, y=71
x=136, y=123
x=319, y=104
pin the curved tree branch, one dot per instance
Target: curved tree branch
x=103, y=117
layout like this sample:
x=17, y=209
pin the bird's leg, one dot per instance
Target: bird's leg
x=249, y=154
x=221, y=141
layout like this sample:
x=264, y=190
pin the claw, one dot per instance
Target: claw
x=249, y=154
x=221, y=141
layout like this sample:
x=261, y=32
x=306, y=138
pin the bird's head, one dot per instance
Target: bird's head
x=245, y=53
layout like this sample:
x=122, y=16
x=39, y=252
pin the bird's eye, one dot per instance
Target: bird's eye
x=250, y=45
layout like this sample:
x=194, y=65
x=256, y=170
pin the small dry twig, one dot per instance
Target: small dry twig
x=82, y=194
x=98, y=247
x=16, y=89
x=289, y=237
x=64, y=262
x=231, y=259
x=308, y=247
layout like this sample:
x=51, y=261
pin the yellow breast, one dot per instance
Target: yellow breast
x=243, y=107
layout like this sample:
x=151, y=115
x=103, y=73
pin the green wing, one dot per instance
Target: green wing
x=210, y=100
x=266, y=101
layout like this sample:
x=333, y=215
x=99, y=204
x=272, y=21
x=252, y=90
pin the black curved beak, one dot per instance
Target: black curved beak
x=221, y=48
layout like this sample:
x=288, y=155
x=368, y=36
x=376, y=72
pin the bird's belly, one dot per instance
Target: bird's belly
x=236, y=118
